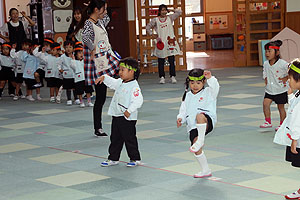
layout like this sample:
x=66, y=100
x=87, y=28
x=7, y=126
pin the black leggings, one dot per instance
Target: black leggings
x=101, y=90
x=161, y=66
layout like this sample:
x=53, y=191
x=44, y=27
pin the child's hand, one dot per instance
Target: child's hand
x=126, y=114
x=158, y=39
x=293, y=147
x=100, y=80
x=23, y=13
x=14, y=46
x=43, y=49
x=179, y=120
x=72, y=56
x=284, y=79
x=61, y=70
x=207, y=74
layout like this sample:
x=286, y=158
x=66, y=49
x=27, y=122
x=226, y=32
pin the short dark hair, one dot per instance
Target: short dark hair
x=134, y=64
x=69, y=42
x=292, y=73
x=55, y=45
x=276, y=43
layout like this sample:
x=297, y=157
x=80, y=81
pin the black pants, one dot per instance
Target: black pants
x=123, y=131
x=161, y=66
x=101, y=90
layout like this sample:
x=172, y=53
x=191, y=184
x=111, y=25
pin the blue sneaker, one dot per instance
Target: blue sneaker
x=108, y=163
x=134, y=163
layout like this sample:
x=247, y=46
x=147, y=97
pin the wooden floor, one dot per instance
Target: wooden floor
x=210, y=59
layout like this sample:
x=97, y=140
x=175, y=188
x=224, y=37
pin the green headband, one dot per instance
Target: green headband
x=296, y=69
x=192, y=78
x=127, y=66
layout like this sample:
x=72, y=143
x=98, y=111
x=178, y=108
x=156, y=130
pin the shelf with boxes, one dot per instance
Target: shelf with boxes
x=199, y=37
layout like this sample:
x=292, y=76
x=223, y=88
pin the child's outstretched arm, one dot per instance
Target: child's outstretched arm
x=40, y=55
x=181, y=117
x=213, y=84
x=136, y=101
x=110, y=82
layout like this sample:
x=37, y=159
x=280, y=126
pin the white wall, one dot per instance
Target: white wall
x=293, y=5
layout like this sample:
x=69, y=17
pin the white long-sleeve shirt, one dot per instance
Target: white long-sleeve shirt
x=273, y=73
x=204, y=101
x=20, y=65
x=78, y=69
x=127, y=96
x=53, y=64
x=65, y=66
x=290, y=128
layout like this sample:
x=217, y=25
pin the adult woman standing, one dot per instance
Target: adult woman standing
x=15, y=30
x=99, y=58
x=77, y=14
x=167, y=46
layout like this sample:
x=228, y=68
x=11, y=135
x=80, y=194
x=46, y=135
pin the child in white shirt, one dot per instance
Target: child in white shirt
x=198, y=110
x=123, y=109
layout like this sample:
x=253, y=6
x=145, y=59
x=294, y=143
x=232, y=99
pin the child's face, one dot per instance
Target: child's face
x=25, y=47
x=126, y=74
x=163, y=12
x=47, y=46
x=294, y=84
x=79, y=55
x=77, y=16
x=69, y=49
x=54, y=52
x=5, y=51
x=196, y=86
x=271, y=54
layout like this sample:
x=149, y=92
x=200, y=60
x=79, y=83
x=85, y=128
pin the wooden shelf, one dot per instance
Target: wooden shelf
x=265, y=31
x=265, y=21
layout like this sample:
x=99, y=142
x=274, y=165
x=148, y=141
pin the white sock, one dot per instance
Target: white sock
x=201, y=128
x=38, y=95
x=203, y=162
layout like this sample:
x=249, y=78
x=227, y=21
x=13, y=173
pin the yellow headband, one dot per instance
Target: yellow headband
x=192, y=78
x=296, y=69
x=127, y=66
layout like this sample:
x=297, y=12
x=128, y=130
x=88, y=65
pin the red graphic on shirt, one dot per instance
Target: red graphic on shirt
x=171, y=42
x=65, y=73
x=289, y=136
x=201, y=98
x=49, y=72
x=277, y=71
x=78, y=76
x=136, y=93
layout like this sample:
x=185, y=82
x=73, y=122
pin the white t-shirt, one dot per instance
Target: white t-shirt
x=4, y=28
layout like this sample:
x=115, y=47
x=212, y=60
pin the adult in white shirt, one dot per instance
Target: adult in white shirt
x=15, y=30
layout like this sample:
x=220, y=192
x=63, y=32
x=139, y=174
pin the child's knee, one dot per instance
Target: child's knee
x=200, y=118
x=199, y=152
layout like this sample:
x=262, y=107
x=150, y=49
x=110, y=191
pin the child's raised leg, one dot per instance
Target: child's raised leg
x=267, y=112
x=201, y=128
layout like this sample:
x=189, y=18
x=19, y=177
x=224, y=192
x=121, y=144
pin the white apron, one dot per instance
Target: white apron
x=103, y=47
x=166, y=33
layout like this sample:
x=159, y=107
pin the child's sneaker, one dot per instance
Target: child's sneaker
x=82, y=105
x=276, y=129
x=108, y=163
x=69, y=102
x=23, y=97
x=30, y=98
x=77, y=102
x=16, y=98
x=38, y=98
x=266, y=125
x=37, y=85
x=295, y=195
x=90, y=104
x=173, y=80
x=52, y=99
x=203, y=174
x=133, y=163
x=162, y=80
